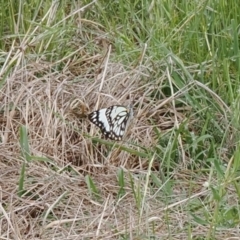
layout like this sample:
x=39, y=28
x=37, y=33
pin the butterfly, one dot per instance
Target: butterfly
x=113, y=121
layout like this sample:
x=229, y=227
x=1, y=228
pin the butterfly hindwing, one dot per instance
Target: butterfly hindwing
x=112, y=121
x=117, y=117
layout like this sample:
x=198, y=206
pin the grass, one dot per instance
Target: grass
x=176, y=174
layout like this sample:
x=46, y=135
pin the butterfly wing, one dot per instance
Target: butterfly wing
x=117, y=117
x=99, y=118
x=112, y=121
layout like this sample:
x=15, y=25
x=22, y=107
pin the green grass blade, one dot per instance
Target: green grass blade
x=92, y=187
x=121, y=183
x=24, y=144
x=26, y=158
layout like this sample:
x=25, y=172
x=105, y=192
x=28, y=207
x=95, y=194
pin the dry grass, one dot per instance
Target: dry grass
x=57, y=203
x=57, y=65
x=42, y=100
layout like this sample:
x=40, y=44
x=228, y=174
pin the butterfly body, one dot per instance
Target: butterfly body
x=113, y=121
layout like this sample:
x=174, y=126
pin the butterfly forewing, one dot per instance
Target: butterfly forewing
x=112, y=121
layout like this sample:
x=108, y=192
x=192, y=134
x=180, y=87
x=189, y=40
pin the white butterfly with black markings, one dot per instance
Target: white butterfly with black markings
x=113, y=121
